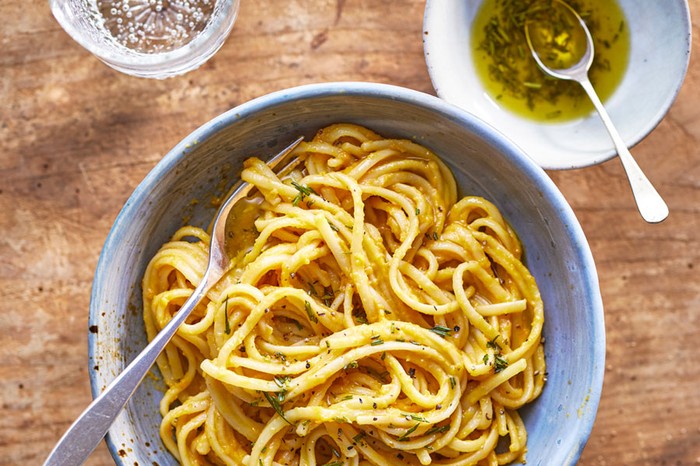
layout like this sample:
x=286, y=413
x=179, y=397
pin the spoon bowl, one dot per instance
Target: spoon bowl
x=569, y=57
x=544, y=43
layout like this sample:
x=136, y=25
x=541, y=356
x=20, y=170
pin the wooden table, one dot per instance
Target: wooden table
x=76, y=138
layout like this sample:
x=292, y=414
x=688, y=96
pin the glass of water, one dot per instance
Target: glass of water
x=148, y=38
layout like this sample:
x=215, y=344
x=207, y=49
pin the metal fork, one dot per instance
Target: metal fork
x=92, y=425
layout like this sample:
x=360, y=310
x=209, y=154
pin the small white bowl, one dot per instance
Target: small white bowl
x=660, y=38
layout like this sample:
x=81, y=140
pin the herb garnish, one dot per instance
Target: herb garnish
x=275, y=403
x=492, y=343
x=404, y=437
x=499, y=363
x=312, y=289
x=328, y=296
x=359, y=437
x=437, y=429
x=312, y=316
x=281, y=380
x=416, y=417
x=304, y=192
x=350, y=365
x=227, y=329
x=360, y=316
x=380, y=376
x=441, y=330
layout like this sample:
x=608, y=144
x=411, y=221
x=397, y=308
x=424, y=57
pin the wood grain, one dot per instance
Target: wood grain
x=76, y=138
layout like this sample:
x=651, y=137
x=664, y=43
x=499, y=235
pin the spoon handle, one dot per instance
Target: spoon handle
x=649, y=202
x=87, y=431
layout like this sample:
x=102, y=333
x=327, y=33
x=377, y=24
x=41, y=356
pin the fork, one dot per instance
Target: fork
x=83, y=436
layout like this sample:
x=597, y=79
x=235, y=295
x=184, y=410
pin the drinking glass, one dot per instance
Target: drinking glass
x=148, y=38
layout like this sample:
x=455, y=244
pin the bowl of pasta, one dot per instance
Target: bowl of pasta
x=390, y=304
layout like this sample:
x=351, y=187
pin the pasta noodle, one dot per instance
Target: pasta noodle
x=375, y=319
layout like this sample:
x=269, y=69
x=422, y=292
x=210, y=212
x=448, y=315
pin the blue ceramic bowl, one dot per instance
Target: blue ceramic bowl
x=484, y=162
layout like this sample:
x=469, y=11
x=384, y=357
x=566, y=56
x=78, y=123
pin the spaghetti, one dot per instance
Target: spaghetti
x=375, y=319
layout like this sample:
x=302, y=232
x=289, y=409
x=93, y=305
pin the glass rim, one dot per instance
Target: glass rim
x=163, y=64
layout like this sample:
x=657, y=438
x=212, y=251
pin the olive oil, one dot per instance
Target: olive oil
x=511, y=76
x=557, y=37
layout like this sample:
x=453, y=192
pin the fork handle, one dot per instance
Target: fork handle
x=651, y=205
x=89, y=429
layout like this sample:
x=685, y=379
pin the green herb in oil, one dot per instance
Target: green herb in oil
x=512, y=78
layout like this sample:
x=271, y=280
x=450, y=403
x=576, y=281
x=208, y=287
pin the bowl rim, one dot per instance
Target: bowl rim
x=393, y=93
x=435, y=65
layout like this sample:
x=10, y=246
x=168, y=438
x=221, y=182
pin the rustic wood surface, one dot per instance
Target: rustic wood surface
x=76, y=138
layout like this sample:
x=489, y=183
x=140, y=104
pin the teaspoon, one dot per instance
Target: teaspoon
x=558, y=60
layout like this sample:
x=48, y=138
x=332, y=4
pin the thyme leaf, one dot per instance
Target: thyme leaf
x=358, y=438
x=274, y=402
x=492, y=344
x=281, y=381
x=376, y=340
x=227, y=329
x=404, y=437
x=304, y=192
x=309, y=312
x=499, y=364
x=438, y=429
x=441, y=330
